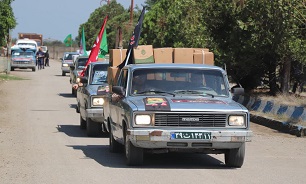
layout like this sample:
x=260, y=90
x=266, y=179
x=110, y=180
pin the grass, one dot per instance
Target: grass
x=6, y=77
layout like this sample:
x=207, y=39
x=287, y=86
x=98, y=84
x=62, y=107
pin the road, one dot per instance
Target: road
x=41, y=143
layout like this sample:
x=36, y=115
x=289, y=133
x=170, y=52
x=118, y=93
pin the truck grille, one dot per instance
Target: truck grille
x=190, y=120
x=23, y=62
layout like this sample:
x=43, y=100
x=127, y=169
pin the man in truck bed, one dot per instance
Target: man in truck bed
x=176, y=114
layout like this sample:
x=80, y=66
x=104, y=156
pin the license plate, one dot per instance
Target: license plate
x=191, y=135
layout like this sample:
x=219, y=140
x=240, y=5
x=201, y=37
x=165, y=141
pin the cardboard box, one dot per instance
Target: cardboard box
x=203, y=58
x=143, y=54
x=112, y=75
x=183, y=55
x=200, y=49
x=163, y=55
x=116, y=56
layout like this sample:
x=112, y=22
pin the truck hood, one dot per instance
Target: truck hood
x=92, y=89
x=165, y=103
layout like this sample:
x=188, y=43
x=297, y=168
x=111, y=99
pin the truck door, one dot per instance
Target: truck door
x=117, y=107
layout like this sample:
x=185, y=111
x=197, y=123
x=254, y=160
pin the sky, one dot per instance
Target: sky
x=55, y=19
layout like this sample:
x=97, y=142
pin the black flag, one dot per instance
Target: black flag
x=133, y=41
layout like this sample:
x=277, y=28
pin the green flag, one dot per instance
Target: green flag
x=103, y=46
x=83, y=51
x=68, y=41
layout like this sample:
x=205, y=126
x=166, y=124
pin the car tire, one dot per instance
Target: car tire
x=235, y=157
x=93, y=129
x=134, y=155
x=63, y=74
x=34, y=69
x=114, y=146
x=12, y=69
x=82, y=122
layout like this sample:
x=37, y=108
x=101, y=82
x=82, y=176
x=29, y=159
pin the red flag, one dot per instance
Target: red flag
x=93, y=56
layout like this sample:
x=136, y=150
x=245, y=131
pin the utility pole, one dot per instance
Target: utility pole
x=131, y=12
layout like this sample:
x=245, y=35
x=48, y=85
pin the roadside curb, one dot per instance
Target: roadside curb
x=255, y=104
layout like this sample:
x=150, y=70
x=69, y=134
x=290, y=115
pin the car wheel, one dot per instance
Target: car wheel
x=34, y=69
x=82, y=122
x=12, y=69
x=134, y=155
x=93, y=129
x=63, y=74
x=114, y=146
x=235, y=157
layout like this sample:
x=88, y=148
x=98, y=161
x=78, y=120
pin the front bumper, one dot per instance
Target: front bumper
x=31, y=65
x=95, y=114
x=66, y=69
x=161, y=138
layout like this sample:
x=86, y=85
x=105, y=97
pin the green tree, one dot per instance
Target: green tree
x=253, y=38
x=7, y=20
x=117, y=17
x=175, y=23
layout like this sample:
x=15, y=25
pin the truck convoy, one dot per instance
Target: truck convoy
x=173, y=106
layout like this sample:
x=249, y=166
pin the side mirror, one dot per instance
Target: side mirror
x=118, y=90
x=237, y=91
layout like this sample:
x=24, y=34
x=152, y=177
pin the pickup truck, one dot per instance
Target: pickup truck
x=172, y=113
x=89, y=102
x=23, y=57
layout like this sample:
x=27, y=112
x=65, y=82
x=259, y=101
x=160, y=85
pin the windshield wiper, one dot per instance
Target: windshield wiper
x=156, y=92
x=194, y=92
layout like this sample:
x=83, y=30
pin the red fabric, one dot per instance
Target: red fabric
x=93, y=57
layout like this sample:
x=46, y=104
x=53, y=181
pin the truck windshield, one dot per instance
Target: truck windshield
x=203, y=82
x=81, y=63
x=99, y=74
x=23, y=54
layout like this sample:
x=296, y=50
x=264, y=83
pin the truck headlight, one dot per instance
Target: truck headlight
x=97, y=101
x=143, y=119
x=65, y=64
x=236, y=120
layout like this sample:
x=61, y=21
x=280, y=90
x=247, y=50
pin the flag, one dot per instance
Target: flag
x=68, y=41
x=103, y=46
x=83, y=44
x=133, y=41
x=93, y=56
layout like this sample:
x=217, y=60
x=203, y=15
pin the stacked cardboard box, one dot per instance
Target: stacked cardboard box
x=163, y=55
x=146, y=54
x=143, y=54
x=116, y=56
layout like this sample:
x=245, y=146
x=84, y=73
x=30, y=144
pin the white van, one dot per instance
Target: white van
x=25, y=43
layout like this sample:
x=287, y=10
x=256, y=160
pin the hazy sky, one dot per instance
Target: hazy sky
x=56, y=19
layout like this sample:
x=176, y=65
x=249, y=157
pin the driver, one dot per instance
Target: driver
x=196, y=81
x=139, y=83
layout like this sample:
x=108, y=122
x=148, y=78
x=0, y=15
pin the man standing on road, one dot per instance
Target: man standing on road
x=40, y=55
x=47, y=58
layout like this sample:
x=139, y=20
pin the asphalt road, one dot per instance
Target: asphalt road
x=41, y=143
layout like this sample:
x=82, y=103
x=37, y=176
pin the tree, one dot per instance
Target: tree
x=118, y=17
x=175, y=23
x=7, y=20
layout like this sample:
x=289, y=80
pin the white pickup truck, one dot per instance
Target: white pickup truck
x=172, y=112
